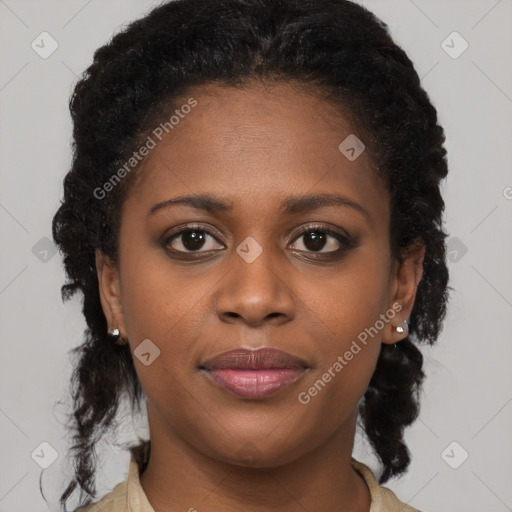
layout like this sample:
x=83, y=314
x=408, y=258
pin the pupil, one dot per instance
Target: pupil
x=315, y=240
x=193, y=240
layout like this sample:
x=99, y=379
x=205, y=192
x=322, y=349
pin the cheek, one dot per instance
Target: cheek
x=163, y=307
x=157, y=299
x=349, y=299
x=349, y=305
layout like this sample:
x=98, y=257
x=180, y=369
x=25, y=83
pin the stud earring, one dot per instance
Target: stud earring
x=403, y=327
x=115, y=336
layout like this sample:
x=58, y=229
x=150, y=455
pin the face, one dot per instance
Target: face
x=258, y=264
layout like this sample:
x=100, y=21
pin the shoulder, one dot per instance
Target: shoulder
x=127, y=496
x=383, y=499
x=114, y=501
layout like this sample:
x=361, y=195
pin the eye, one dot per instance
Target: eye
x=193, y=239
x=313, y=239
x=317, y=238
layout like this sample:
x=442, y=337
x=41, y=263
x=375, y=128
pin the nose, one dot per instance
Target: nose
x=256, y=293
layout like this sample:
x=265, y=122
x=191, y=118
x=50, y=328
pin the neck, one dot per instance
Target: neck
x=178, y=477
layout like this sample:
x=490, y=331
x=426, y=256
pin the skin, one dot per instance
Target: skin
x=254, y=148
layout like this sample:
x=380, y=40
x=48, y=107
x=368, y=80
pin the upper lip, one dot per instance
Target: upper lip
x=253, y=359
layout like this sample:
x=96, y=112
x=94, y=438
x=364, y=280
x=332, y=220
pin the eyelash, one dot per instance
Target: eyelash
x=346, y=242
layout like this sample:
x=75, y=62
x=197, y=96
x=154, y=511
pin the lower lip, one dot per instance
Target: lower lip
x=254, y=383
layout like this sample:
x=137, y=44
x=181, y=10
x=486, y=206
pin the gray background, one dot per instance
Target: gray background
x=468, y=393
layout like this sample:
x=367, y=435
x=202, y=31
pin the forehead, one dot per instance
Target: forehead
x=262, y=142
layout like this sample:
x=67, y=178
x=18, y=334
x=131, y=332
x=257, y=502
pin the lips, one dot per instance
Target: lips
x=254, y=373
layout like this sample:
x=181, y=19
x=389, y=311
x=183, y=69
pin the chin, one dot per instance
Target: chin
x=258, y=454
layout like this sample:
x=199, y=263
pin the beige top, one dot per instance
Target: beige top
x=129, y=496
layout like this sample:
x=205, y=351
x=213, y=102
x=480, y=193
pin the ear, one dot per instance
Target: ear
x=110, y=292
x=405, y=278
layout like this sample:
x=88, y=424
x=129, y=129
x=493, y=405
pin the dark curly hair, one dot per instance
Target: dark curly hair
x=336, y=48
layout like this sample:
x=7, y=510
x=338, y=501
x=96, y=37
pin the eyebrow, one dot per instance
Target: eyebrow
x=290, y=206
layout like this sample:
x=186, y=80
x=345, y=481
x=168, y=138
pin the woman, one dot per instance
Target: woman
x=254, y=219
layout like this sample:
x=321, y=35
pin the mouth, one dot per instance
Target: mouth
x=254, y=374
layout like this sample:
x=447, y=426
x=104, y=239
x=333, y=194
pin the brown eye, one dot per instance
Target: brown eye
x=316, y=240
x=193, y=239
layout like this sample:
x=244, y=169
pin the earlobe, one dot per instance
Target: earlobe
x=407, y=276
x=109, y=290
x=397, y=328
